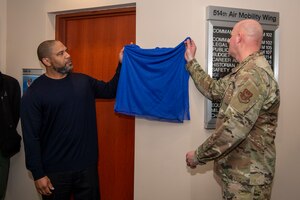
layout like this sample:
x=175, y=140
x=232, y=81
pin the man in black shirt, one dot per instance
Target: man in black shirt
x=59, y=126
x=10, y=95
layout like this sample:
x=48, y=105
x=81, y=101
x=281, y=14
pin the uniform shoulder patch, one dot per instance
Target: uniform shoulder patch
x=245, y=96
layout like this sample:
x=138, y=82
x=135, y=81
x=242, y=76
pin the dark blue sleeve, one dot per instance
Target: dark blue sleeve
x=106, y=90
x=31, y=115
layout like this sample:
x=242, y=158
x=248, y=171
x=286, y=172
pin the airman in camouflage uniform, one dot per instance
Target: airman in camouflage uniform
x=242, y=144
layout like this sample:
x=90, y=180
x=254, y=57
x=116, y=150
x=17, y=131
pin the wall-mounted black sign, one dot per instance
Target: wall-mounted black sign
x=220, y=23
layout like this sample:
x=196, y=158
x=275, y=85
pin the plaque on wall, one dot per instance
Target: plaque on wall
x=220, y=21
x=29, y=75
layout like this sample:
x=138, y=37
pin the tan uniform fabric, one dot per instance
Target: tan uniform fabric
x=242, y=144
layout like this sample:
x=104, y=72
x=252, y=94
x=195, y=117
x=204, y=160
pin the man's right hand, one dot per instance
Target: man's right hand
x=44, y=186
x=121, y=55
x=190, y=50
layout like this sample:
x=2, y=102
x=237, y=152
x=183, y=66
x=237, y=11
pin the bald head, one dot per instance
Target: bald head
x=246, y=38
x=252, y=31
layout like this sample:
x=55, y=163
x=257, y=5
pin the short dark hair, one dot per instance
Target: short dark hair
x=44, y=49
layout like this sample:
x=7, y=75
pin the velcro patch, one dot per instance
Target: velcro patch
x=246, y=96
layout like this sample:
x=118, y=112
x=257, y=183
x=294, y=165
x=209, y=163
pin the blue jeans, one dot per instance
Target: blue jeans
x=81, y=185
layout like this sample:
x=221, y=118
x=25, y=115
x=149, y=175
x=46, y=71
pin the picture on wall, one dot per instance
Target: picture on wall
x=29, y=75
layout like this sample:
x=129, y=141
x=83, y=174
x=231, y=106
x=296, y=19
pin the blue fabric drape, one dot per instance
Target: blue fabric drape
x=154, y=84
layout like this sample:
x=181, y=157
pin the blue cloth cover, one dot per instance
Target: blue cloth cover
x=154, y=84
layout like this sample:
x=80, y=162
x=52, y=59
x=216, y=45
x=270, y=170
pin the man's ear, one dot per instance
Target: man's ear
x=239, y=38
x=46, y=62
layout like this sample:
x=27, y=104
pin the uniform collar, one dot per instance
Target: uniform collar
x=245, y=61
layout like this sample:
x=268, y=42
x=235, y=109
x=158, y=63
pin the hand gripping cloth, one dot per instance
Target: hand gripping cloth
x=153, y=84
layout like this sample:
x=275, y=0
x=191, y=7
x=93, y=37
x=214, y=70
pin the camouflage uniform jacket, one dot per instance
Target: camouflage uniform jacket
x=242, y=145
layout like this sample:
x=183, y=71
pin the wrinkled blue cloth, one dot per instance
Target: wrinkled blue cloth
x=153, y=84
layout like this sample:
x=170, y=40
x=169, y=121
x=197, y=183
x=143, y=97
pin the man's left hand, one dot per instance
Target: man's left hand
x=191, y=160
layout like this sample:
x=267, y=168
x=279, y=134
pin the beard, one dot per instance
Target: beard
x=65, y=69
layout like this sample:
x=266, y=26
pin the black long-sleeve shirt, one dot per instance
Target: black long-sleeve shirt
x=10, y=89
x=59, y=122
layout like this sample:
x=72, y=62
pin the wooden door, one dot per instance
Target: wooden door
x=94, y=40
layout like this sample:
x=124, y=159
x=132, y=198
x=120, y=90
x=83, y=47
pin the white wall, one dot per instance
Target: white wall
x=160, y=171
x=2, y=35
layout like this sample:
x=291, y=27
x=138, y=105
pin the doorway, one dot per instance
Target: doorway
x=94, y=40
